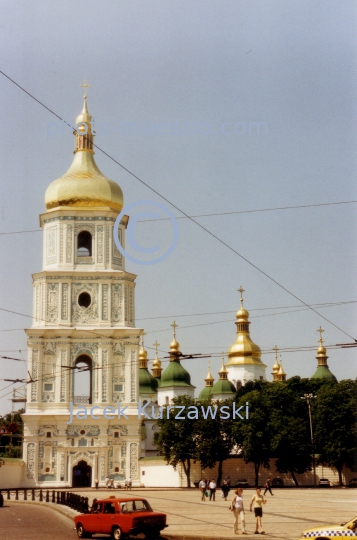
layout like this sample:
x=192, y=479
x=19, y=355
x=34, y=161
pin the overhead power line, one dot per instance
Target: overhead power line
x=217, y=214
x=188, y=217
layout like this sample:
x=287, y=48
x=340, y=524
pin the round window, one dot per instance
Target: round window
x=84, y=300
x=82, y=432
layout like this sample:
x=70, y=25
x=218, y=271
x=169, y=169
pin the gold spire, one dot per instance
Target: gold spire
x=321, y=351
x=209, y=379
x=143, y=355
x=174, y=346
x=281, y=373
x=223, y=373
x=276, y=366
x=156, y=365
x=243, y=350
x=84, y=186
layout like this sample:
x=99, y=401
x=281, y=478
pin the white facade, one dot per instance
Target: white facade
x=84, y=313
x=241, y=374
x=165, y=395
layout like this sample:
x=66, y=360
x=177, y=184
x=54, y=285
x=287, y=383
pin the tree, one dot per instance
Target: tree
x=176, y=439
x=289, y=428
x=253, y=433
x=335, y=419
x=213, y=437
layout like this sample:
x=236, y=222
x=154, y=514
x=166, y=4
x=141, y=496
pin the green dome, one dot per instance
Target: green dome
x=223, y=386
x=205, y=393
x=147, y=383
x=323, y=372
x=175, y=375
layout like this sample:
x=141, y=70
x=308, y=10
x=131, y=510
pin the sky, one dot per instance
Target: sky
x=196, y=78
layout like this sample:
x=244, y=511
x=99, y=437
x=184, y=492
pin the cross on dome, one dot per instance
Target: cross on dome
x=142, y=339
x=174, y=326
x=321, y=331
x=85, y=86
x=241, y=291
x=156, y=345
x=276, y=351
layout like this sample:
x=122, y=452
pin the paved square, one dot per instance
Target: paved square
x=286, y=514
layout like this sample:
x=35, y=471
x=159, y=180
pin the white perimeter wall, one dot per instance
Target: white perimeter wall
x=158, y=474
x=11, y=473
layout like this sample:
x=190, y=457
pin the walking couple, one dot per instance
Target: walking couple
x=238, y=508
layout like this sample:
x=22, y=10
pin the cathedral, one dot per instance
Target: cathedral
x=84, y=321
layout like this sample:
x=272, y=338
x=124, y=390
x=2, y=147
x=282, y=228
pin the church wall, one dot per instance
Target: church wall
x=158, y=474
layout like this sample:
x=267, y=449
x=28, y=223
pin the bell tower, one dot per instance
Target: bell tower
x=83, y=328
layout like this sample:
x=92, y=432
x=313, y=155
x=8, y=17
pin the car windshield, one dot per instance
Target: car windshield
x=135, y=506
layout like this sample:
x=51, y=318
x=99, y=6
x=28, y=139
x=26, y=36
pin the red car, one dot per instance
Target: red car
x=119, y=518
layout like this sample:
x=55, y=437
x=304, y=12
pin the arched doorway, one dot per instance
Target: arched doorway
x=82, y=475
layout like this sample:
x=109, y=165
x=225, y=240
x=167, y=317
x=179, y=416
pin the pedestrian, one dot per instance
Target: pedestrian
x=238, y=508
x=96, y=482
x=106, y=482
x=225, y=489
x=268, y=486
x=228, y=480
x=111, y=484
x=130, y=483
x=258, y=501
x=202, y=486
x=212, y=490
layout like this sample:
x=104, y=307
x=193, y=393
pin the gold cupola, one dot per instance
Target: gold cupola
x=209, y=380
x=156, y=365
x=243, y=350
x=84, y=186
x=175, y=352
x=143, y=354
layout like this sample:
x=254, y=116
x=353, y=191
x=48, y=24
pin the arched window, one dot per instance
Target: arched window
x=83, y=380
x=84, y=244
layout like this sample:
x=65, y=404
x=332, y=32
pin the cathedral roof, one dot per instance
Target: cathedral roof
x=205, y=393
x=175, y=375
x=84, y=186
x=147, y=383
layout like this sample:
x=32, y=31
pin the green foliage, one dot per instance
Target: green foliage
x=252, y=434
x=277, y=428
x=335, y=415
x=176, y=438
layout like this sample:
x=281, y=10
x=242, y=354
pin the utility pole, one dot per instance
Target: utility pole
x=308, y=398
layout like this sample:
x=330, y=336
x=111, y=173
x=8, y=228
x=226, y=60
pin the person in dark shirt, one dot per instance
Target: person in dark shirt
x=268, y=486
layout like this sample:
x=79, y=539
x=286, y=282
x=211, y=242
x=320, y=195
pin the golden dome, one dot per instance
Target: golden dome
x=84, y=185
x=276, y=367
x=243, y=350
x=143, y=354
x=174, y=346
x=156, y=363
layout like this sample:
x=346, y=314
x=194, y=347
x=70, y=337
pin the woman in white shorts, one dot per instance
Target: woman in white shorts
x=238, y=509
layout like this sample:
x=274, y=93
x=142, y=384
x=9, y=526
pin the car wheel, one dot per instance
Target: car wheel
x=117, y=534
x=1, y=500
x=81, y=533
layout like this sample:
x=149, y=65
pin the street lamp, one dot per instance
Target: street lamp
x=308, y=398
